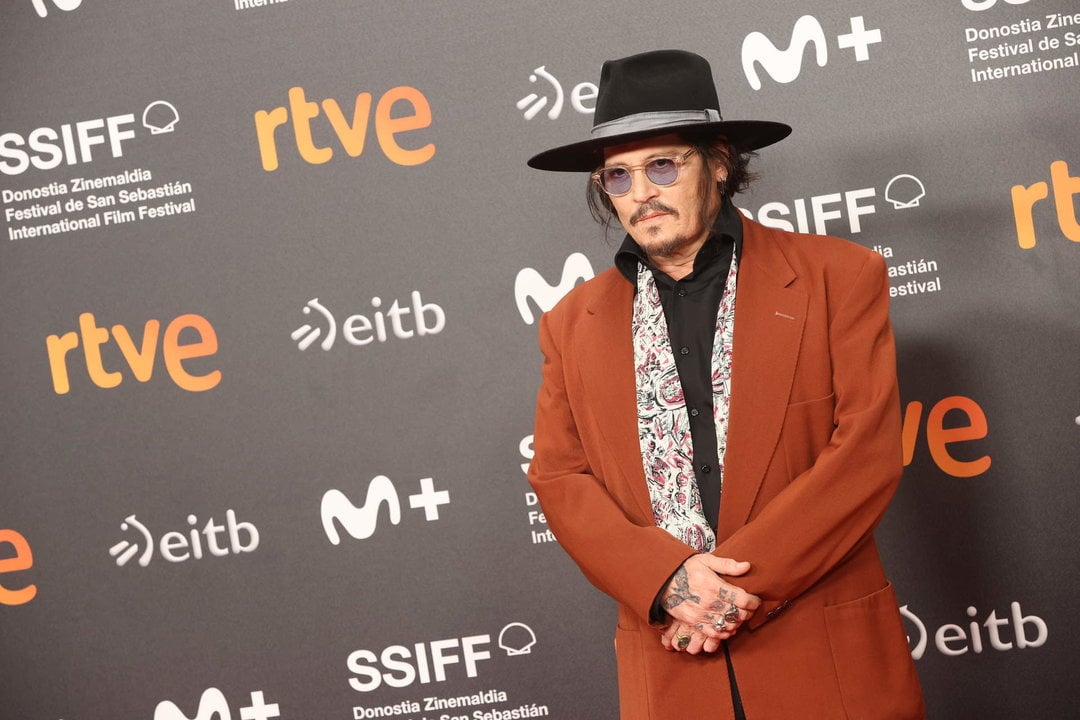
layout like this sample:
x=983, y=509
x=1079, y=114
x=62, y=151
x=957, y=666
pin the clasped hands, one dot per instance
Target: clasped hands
x=704, y=609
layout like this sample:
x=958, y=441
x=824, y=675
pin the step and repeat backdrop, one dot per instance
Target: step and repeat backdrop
x=272, y=272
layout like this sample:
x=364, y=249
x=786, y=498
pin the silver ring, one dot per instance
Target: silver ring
x=720, y=623
x=732, y=614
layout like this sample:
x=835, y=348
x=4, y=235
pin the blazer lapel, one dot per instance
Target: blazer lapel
x=769, y=321
x=608, y=376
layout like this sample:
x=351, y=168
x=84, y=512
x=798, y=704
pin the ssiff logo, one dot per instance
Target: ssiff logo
x=413, y=113
x=212, y=704
x=530, y=285
x=160, y=117
x=580, y=94
x=903, y=192
x=525, y=447
x=362, y=522
x=1024, y=199
x=427, y=319
x=980, y=5
x=23, y=559
x=400, y=666
x=784, y=66
x=46, y=148
x=175, y=547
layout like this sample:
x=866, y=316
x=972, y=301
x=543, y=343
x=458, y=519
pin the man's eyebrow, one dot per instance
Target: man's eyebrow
x=657, y=154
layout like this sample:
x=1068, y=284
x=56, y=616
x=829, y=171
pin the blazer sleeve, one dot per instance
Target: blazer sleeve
x=831, y=508
x=627, y=558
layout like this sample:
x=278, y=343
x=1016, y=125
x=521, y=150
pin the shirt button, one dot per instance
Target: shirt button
x=706, y=469
x=694, y=412
x=684, y=350
x=681, y=292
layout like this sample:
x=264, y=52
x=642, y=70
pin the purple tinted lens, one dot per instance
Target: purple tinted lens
x=660, y=171
x=616, y=180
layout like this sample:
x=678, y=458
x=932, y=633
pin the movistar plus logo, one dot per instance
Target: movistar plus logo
x=784, y=65
x=362, y=521
x=530, y=285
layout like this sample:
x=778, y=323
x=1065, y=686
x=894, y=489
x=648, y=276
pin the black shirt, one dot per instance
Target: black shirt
x=690, y=307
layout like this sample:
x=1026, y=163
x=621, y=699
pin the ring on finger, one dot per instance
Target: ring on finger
x=720, y=622
x=682, y=640
x=732, y=614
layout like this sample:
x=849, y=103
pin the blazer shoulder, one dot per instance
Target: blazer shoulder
x=590, y=294
x=808, y=255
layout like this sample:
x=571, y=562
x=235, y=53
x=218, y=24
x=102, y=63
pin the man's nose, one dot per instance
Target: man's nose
x=643, y=188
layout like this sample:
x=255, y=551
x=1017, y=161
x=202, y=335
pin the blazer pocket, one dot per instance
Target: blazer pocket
x=873, y=664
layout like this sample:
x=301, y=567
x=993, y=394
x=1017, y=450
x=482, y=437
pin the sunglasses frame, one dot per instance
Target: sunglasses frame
x=679, y=161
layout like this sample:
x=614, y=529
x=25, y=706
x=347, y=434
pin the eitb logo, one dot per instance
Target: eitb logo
x=399, y=319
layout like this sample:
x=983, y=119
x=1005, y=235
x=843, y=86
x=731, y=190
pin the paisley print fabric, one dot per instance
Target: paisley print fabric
x=663, y=423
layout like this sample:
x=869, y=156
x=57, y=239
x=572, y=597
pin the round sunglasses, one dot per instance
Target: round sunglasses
x=616, y=180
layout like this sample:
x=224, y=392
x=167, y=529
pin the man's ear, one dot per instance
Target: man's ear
x=719, y=171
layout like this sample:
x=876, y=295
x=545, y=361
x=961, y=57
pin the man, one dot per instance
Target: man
x=718, y=428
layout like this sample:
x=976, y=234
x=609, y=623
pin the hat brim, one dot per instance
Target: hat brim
x=586, y=156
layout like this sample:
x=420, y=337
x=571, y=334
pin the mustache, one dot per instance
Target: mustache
x=653, y=206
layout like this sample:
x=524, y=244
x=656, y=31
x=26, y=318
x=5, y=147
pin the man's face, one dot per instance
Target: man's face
x=664, y=220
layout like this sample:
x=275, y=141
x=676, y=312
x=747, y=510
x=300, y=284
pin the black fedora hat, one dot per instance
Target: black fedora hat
x=656, y=93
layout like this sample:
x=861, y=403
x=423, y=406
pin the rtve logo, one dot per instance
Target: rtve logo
x=360, y=330
x=22, y=560
x=980, y=5
x=530, y=285
x=350, y=134
x=784, y=66
x=580, y=94
x=967, y=422
x=1024, y=200
x=214, y=706
x=362, y=522
x=201, y=341
x=241, y=537
x=427, y=662
x=66, y=5
x=953, y=640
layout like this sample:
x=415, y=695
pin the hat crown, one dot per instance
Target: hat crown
x=652, y=94
x=657, y=81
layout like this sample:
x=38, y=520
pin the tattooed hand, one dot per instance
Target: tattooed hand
x=697, y=598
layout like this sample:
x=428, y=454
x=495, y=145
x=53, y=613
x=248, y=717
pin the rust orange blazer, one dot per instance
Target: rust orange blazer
x=813, y=458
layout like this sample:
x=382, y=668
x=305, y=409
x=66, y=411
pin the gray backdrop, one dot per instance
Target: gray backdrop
x=213, y=370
